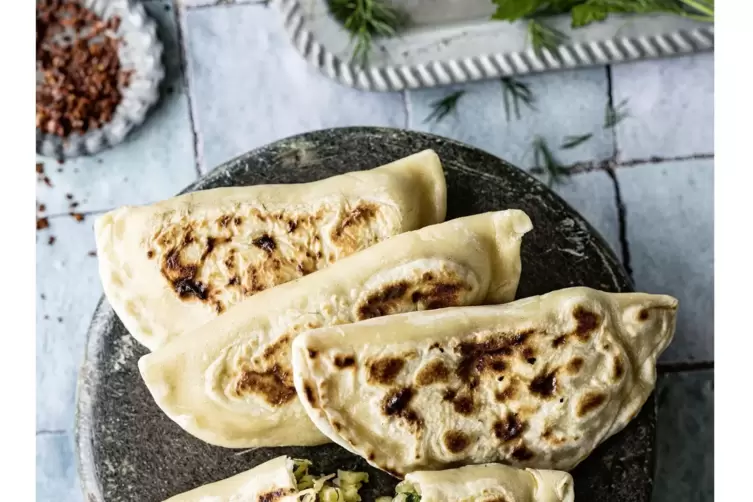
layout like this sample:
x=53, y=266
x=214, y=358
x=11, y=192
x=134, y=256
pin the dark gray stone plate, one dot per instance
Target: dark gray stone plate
x=129, y=451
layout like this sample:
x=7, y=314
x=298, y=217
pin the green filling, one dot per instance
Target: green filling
x=343, y=488
x=404, y=492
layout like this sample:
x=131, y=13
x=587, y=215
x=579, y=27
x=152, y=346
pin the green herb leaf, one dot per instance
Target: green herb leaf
x=573, y=141
x=545, y=162
x=515, y=92
x=512, y=10
x=443, y=107
x=366, y=19
x=613, y=115
x=543, y=37
x=597, y=10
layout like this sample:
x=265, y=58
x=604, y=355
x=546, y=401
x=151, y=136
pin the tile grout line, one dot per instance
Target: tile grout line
x=406, y=106
x=183, y=51
x=51, y=432
x=226, y=3
x=609, y=168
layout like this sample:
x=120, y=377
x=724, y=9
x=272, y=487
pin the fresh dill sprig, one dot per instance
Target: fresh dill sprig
x=543, y=37
x=573, y=141
x=443, y=107
x=613, y=115
x=545, y=162
x=516, y=92
x=366, y=19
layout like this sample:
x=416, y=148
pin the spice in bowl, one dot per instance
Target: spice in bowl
x=80, y=77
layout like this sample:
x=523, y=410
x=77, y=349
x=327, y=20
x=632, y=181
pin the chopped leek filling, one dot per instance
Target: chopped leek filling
x=342, y=487
x=404, y=492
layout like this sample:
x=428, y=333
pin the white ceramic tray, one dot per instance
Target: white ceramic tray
x=455, y=41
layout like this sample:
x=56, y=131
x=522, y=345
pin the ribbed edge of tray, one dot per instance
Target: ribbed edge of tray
x=457, y=71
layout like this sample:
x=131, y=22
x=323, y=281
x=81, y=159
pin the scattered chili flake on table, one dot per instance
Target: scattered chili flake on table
x=42, y=223
x=69, y=196
x=81, y=77
x=92, y=253
x=42, y=207
x=78, y=217
x=51, y=240
x=40, y=168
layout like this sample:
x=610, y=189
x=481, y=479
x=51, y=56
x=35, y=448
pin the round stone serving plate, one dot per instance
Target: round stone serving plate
x=130, y=451
x=140, y=53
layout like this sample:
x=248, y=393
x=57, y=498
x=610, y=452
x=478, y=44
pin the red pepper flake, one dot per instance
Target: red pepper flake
x=78, y=216
x=92, y=253
x=42, y=207
x=40, y=168
x=47, y=181
x=73, y=205
x=42, y=223
x=51, y=240
x=69, y=196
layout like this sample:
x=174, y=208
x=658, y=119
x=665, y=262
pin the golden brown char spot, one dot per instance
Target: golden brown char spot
x=238, y=221
x=274, y=385
x=488, y=355
x=396, y=404
x=643, y=315
x=586, y=322
x=464, y=404
x=278, y=351
x=265, y=242
x=275, y=495
x=509, y=393
x=618, y=369
x=559, y=341
x=456, y=441
x=182, y=277
x=575, y=365
x=337, y=426
x=397, y=401
x=590, y=402
x=433, y=372
x=313, y=353
x=150, y=254
x=544, y=384
x=449, y=394
x=344, y=361
x=404, y=296
x=551, y=438
x=362, y=215
x=508, y=428
x=292, y=225
x=310, y=394
x=224, y=220
x=522, y=454
x=384, y=371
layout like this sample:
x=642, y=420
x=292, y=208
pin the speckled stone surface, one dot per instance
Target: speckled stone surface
x=130, y=451
x=685, y=465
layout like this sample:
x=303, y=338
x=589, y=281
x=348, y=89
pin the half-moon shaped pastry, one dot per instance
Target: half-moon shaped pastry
x=230, y=382
x=537, y=383
x=169, y=267
x=271, y=481
x=487, y=483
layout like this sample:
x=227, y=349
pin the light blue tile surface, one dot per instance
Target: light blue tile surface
x=249, y=86
x=56, y=478
x=670, y=229
x=68, y=288
x=155, y=161
x=671, y=102
x=592, y=194
x=685, y=438
x=567, y=103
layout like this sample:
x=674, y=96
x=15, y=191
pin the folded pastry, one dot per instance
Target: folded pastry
x=485, y=483
x=169, y=267
x=538, y=383
x=230, y=382
x=280, y=480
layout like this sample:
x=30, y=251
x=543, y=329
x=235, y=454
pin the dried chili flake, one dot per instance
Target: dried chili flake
x=78, y=216
x=42, y=223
